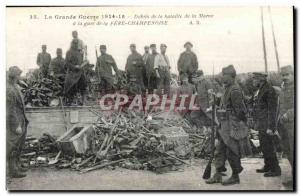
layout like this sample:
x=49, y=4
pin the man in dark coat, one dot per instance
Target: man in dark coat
x=134, y=66
x=264, y=113
x=57, y=65
x=43, y=61
x=233, y=132
x=145, y=59
x=105, y=64
x=75, y=80
x=202, y=89
x=286, y=117
x=16, y=124
x=151, y=73
x=187, y=62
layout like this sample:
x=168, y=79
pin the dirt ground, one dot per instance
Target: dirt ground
x=187, y=178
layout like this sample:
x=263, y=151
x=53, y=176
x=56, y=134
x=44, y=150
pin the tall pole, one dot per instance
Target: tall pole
x=274, y=41
x=263, y=39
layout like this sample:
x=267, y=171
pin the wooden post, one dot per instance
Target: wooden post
x=263, y=39
x=274, y=41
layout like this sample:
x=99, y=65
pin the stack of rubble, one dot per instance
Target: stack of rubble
x=41, y=92
x=127, y=139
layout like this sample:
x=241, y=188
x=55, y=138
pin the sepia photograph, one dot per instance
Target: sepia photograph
x=150, y=98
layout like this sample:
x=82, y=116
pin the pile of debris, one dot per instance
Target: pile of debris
x=126, y=139
x=42, y=92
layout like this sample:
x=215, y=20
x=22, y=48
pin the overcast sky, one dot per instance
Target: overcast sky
x=231, y=36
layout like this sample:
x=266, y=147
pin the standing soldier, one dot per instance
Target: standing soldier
x=233, y=133
x=80, y=42
x=57, y=65
x=105, y=64
x=202, y=88
x=264, y=113
x=162, y=64
x=145, y=59
x=152, y=74
x=134, y=66
x=187, y=62
x=43, y=60
x=16, y=124
x=75, y=80
x=286, y=120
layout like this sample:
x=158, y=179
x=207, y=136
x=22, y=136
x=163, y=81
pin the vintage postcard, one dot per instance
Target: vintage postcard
x=184, y=98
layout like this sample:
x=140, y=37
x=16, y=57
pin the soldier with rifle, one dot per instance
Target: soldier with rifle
x=75, y=79
x=233, y=132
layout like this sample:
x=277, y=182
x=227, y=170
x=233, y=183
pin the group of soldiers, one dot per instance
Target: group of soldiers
x=272, y=112
x=273, y=118
x=144, y=73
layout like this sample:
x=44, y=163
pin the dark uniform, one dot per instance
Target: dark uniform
x=43, y=61
x=105, y=64
x=286, y=121
x=15, y=119
x=186, y=89
x=145, y=59
x=134, y=68
x=202, y=86
x=57, y=67
x=233, y=132
x=150, y=73
x=75, y=80
x=187, y=63
x=264, y=113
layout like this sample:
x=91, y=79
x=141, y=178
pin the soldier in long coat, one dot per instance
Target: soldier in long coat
x=233, y=131
x=75, y=80
x=187, y=62
x=105, y=64
x=43, y=61
x=151, y=73
x=16, y=124
x=287, y=117
x=134, y=66
x=145, y=59
x=264, y=113
x=202, y=88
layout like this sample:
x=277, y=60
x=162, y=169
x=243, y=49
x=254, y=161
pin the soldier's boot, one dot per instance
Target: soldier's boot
x=21, y=168
x=217, y=178
x=234, y=179
x=14, y=170
x=263, y=170
x=273, y=173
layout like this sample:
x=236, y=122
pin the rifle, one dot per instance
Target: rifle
x=207, y=171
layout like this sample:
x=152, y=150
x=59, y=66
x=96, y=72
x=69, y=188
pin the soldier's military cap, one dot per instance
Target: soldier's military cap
x=58, y=50
x=44, y=45
x=146, y=47
x=229, y=70
x=163, y=45
x=259, y=75
x=14, y=71
x=132, y=45
x=102, y=46
x=286, y=69
x=188, y=43
x=152, y=45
